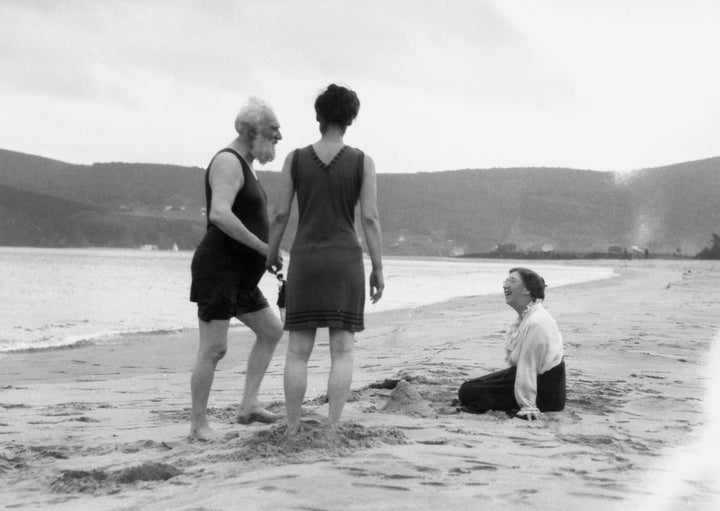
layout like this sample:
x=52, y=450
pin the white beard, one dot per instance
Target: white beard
x=263, y=149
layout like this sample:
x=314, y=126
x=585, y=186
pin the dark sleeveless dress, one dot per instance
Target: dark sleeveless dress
x=326, y=277
x=224, y=271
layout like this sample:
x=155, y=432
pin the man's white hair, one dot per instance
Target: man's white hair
x=251, y=115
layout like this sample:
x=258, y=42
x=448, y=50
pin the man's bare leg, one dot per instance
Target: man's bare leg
x=269, y=331
x=341, y=371
x=212, y=348
x=300, y=346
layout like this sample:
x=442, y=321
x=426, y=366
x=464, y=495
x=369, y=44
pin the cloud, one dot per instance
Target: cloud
x=602, y=85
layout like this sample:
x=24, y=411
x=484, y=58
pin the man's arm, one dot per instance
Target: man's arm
x=226, y=180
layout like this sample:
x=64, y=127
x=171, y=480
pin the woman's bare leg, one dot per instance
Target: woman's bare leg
x=341, y=371
x=300, y=346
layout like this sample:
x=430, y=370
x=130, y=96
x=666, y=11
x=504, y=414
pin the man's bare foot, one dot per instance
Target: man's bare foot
x=257, y=414
x=202, y=434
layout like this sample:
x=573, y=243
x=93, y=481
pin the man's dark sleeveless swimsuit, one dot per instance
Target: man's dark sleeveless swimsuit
x=225, y=273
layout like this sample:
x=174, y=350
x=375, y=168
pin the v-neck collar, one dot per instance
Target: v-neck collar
x=322, y=164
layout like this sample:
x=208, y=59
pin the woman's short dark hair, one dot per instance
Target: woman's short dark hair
x=533, y=282
x=337, y=105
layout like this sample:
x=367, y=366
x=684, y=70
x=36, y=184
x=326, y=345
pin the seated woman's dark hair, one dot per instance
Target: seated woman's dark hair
x=533, y=282
x=337, y=106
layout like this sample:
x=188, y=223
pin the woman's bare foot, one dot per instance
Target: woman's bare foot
x=293, y=430
x=203, y=434
x=201, y=431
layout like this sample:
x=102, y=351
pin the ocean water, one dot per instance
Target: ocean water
x=51, y=298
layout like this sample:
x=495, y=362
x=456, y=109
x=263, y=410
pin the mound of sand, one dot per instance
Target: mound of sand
x=314, y=438
x=405, y=400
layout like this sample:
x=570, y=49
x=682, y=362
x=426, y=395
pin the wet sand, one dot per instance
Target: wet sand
x=104, y=427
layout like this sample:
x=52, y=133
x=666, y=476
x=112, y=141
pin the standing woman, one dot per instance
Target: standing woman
x=326, y=281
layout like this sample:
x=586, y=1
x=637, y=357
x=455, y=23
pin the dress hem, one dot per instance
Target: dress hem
x=324, y=324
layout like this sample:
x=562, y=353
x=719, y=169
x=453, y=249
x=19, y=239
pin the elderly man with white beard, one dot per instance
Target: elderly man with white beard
x=229, y=262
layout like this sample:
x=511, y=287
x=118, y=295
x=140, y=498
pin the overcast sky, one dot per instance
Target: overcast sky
x=443, y=84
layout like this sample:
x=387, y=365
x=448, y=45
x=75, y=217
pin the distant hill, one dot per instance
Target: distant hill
x=35, y=219
x=677, y=206
x=108, y=185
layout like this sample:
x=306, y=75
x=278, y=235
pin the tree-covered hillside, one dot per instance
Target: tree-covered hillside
x=473, y=210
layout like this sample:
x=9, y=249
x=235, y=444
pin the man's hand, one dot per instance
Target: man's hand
x=274, y=264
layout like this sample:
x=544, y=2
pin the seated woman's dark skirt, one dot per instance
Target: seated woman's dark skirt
x=496, y=391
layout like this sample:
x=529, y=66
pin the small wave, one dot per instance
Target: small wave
x=79, y=340
x=158, y=331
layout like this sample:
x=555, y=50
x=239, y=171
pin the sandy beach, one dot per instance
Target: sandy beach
x=104, y=427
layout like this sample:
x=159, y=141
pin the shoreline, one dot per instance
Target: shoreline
x=107, y=359
x=113, y=336
x=637, y=350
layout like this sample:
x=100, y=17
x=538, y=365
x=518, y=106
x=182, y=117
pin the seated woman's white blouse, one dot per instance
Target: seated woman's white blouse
x=534, y=345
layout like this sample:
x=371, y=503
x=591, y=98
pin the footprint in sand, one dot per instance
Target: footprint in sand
x=12, y=406
x=653, y=403
x=99, y=481
x=144, y=445
x=358, y=472
x=254, y=482
x=381, y=486
x=83, y=419
x=599, y=496
x=433, y=441
x=398, y=476
x=272, y=487
x=147, y=472
x=424, y=469
x=481, y=465
x=79, y=481
x=59, y=453
x=10, y=461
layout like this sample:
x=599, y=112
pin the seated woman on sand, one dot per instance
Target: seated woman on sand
x=535, y=382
